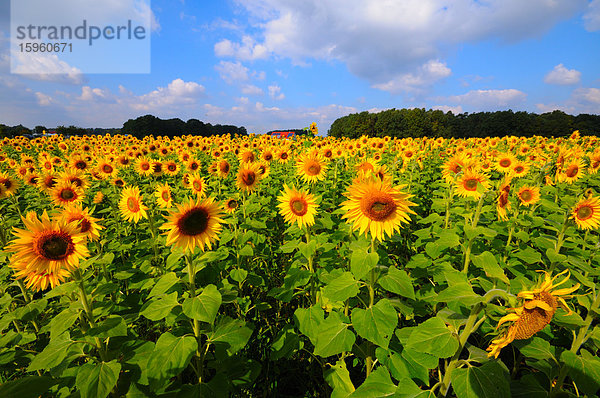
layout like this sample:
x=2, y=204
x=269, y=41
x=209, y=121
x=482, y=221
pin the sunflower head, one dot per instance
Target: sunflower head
x=311, y=168
x=163, y=196
x=529, y=195
x=66, y=193
x=195, y=223
x=248, y=177
x=587, y=213
x=537, y=310
x=131, y=206
x=297, y=206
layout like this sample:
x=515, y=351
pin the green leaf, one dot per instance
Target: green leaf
x=584, y=369
x=338, y=378
x=333, y=337
x=362, y=261
x=433, y=337
x=238, y=274
x=232, y=332
x=174, y=257
x=53, y=354
x=536, y=348
x=112, y=326
x=310, y=320
x=377, y=323
x=308, y=249
x=97, y=381
x=461, y=292
x=171, y=355
x=290, y=246
x=489, y=381
x=63, y=321
x=204, y=307
x=163, y=284
x=246, y=251
x=26, y=387
x=398, y=282
x=487, y=261
x=341, y=288
x=529, y=255
x=158, y=309
x=285, y=344
x=378, y=384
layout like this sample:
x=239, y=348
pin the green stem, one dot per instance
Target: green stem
x=27, y=300
x=199, y=358
x=89, y=311
x=313, y=277
x=371, y=288
x=448, y=200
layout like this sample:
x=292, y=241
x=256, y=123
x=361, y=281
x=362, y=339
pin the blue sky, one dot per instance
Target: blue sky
x=268, y=64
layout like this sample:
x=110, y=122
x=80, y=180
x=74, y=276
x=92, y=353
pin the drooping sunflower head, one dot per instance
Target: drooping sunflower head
x=46, y=252
x=377, y=207
x=538, y=309
x=195, y=223
x=131, y=206
x=587, y=213
x=311, y=168
x=223, y=168
x=297, y=206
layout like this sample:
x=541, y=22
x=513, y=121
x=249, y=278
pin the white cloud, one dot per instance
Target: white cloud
x=445, y=108
x=247, y=50
x=92, y=94
x=490, y=99
x=394, y=38
x=178, y=92
x=45, y=67
x=43, y=99
x=562, y=76
x=275, y=92
x=591, y=18
x=250, y=89
x=232, y=71
x=424, y=76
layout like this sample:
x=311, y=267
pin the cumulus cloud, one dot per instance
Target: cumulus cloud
x=424, y=76
x=250, y=89
x=394, y=39
x=581, y=100
x=177, y=92
x=43, y=99
x=562, y=76
x=591, y=19
x=275, y=92
x=45, y=67
x=490, y=99
x=446, y=108
x=232, y=71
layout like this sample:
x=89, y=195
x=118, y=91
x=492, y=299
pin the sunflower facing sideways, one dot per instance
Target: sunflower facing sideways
x=46, y=252
x=587, y=213
x=297, y=206
x=131, y=206
x=86, y=224
x=195, y=223
x=248, y=177
x=537, y=311
x=374, y=205
x=163, y=196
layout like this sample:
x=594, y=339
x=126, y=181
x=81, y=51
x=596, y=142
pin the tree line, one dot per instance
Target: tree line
x=148, y=124
x=419, y=122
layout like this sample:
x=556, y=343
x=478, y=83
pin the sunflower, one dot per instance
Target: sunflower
x=520, y=169
x=171, y=168
x=231, y=205
x=65, y=193
x=297, y=206
x=471, y=184
x=587, y=213
x=163, y=196
x=505, y=162
x=197, y=185
x=453, y=166
x=76, y=177
x=98, y=198
x=529, y=195
x=157, y=168
x=11, y=184
x=502, y=203
x=537, y=311
x=47, y=182
x=247, y=156
x=192, y=165
x=283, y=155
x=374, y=205
x=131, y=206
x=248, y=177
x=571, y=172
x=311, y=168
x=223, y=168
x=106, y=168
x=46, y=252
x=195, y=223
x=143, y=166
x=263, y=169
x=86, y=224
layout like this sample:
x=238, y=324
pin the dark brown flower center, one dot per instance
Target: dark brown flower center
x=107, y=168
x=572, y=171
x=298, y=206
x=519, y=169
x=313, y=169
x=193, y=222
x=55, y=246
x=172, y=167
x=526, y=195
x=471, y=184
x=505, y=163
x=67, y=194
x=197, y=185
x=248, y=178
x=145, y=166
x=133, y=205
x=165, y=196
x=585, y=212
x=232, y=204
x=378, y=207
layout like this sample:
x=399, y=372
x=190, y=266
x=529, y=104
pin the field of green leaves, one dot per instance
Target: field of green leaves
x=258, y=267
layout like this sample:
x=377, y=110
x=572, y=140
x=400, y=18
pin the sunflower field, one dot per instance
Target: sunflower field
x=258, y=267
